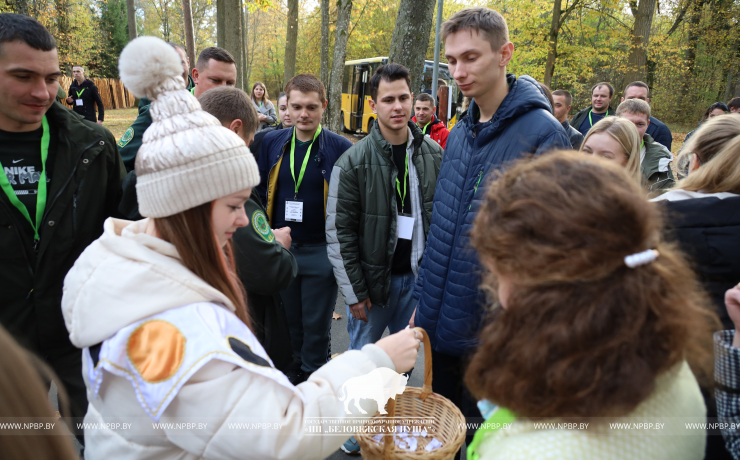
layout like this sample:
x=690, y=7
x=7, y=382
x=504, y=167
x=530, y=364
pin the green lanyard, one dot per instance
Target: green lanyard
x=192, y=90
x=79, y=93
x=590, y=121
x=405, y=181
x=305, y=160
x=425, y=127
x=41, y=197
x=500, y=417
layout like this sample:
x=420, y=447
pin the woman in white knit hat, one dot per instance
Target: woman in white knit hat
x=171, y=366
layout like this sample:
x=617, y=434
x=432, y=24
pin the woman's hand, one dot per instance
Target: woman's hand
x=732, y=302
x=402, y=347
x=262, y=117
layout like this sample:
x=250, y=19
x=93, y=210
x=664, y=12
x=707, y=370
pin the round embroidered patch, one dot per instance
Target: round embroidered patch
x=156, y=349
x=259, y=223
x=245, y=352
x=127, y=136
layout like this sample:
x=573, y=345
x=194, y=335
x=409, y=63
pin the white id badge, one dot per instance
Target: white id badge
x=294, y=211
x=405, y=227
x=78, y=102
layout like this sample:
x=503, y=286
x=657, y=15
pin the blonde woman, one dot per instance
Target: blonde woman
x=615, y=139
x=264, y=107
x=702, y=208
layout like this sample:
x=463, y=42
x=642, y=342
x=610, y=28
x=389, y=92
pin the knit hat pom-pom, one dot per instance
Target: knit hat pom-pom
x=149, y=66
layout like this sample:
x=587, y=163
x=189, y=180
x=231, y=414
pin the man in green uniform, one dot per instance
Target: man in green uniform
x=131, y=140
x=263, y=259
x=655, y=158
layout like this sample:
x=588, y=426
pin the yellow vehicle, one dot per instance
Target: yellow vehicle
x=356, y=112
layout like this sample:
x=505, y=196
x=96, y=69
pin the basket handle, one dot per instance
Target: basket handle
x=426, y=390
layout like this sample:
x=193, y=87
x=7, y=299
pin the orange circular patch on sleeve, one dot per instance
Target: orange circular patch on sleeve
x=156, y=349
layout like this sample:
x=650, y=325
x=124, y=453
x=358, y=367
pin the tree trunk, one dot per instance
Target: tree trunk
x=220, y=22
x=244, y=32
x=131, y=14
x=64, y=32
x=325, y=42
x=637, y=59
x=232, y=35
x=252, y=45
x=552, y=51
x=344, y=12
x=411, y=38
x=291, y=41
x=731, y=71
x=187, y=16
x=693, y=40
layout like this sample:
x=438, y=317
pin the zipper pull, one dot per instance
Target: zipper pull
x=36, y=246
x=473, y=133
x=475, y=190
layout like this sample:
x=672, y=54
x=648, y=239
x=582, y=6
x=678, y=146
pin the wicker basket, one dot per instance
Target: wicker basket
x=418, y=402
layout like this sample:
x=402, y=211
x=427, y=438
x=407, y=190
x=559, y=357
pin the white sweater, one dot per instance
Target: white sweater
x=128, y=277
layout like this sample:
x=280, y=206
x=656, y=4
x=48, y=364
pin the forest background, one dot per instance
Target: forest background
x=686, y=50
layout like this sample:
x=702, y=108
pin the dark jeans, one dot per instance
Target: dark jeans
x=309, y=304
x=66, y=362
x=448, y=373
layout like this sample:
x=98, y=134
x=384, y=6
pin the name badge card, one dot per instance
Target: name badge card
x=405, y=226
x=294, y=211
x=78, y=102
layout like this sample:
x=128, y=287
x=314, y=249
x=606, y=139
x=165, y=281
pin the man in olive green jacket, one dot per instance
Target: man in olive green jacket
x=655, y=158
x=379, y=211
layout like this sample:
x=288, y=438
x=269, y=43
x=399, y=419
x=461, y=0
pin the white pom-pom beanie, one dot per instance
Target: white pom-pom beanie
x=186, y=158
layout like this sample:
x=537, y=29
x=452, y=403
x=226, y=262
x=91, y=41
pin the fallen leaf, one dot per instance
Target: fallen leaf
x=336, y=315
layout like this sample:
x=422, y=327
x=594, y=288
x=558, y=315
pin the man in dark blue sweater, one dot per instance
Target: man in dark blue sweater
x=295, y=167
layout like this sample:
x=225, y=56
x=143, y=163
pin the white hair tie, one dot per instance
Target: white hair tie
x=641, y=258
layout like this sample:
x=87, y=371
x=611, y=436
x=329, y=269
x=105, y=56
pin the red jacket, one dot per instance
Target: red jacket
x=436, y=131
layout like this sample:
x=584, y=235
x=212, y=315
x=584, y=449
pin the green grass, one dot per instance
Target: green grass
x=118, y=120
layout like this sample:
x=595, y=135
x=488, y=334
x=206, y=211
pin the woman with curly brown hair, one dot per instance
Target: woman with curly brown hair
x=601, y=319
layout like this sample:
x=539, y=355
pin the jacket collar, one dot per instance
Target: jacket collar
x=609, y=110
x=85, y=82
x=524, y=96
x=434, y=121
x=385, y=147
x=70, y=125
x=147, y=261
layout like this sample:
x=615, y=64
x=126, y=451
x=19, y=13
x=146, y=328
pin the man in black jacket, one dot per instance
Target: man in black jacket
x=62, y=179
x=601, y=96
x=84, y=96
x=561, y=108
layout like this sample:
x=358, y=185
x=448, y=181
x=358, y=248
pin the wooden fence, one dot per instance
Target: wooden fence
x=112, y=92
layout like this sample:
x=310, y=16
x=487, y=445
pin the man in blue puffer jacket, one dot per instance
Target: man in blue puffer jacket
x=508, y=119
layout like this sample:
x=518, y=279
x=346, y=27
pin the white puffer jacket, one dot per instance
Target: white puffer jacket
x=127, y=281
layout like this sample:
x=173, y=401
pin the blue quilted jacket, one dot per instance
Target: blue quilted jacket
x=450, y=303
